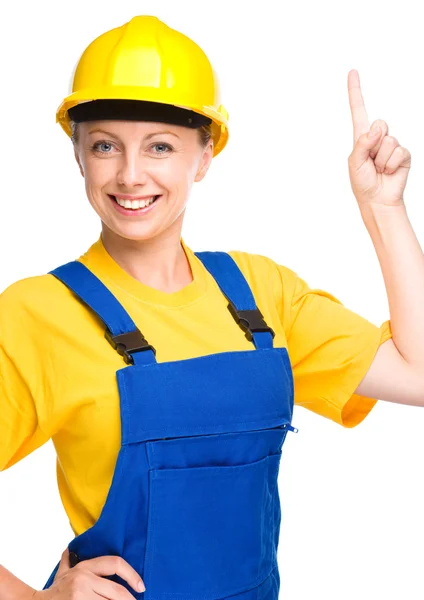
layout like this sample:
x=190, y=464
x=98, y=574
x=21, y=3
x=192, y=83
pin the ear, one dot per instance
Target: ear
x=77, y=158
x=205, y=162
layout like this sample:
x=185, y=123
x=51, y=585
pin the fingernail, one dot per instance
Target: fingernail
x=141, y=587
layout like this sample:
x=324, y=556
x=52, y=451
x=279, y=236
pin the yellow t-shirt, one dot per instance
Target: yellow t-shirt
x=57, y=370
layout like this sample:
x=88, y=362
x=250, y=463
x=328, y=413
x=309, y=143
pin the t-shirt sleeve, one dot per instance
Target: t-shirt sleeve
x=20, y=385
x=331, y=348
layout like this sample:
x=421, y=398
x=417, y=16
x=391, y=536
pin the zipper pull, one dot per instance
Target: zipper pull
x=290, y=428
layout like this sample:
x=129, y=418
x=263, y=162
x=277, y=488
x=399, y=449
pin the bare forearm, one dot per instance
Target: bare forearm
x=402, y=263
x=12, y=587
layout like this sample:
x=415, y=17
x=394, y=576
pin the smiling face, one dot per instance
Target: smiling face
x=138, y=174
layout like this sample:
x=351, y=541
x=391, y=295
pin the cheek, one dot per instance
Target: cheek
x=178, y=175
x=166, y=175
x=97, y=174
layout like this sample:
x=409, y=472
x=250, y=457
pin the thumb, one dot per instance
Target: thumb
x=64, y=565
x=364, y=144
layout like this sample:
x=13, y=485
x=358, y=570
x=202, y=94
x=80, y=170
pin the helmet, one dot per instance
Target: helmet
x=146, y=60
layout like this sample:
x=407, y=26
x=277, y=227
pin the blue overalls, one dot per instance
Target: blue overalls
x=194, y=504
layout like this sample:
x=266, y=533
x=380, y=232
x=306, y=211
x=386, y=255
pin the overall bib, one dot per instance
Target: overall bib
x=194, y=504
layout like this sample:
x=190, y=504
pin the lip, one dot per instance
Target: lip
x=136, y=212
x=129, y=197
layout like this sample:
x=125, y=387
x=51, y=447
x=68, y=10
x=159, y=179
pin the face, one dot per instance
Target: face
x=147, y=167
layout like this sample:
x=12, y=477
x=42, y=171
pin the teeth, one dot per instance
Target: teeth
x=134, y=204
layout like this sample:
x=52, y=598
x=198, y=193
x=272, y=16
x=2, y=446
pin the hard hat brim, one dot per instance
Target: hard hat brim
x=219, y=117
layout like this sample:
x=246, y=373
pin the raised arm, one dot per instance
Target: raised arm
x=378, y=170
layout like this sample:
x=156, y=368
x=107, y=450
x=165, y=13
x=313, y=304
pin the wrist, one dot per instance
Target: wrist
x=377, y=217
x=27, y=593
x=381, y=210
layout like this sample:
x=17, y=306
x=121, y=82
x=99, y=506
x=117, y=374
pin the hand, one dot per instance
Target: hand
x=378, y=165
x=85, y=580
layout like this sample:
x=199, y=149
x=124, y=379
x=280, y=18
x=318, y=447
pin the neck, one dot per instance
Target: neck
x=160, y=262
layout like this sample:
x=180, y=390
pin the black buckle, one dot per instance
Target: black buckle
x=251, y=321
x=73, y=559
x=125, y=343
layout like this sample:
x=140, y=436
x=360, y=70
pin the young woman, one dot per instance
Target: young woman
x=166, y=378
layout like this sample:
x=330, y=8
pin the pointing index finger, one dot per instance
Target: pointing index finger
x=359, y=114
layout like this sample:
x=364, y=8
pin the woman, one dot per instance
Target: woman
x=168, y=472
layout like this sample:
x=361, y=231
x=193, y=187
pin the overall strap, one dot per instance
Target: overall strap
x=121, y=331
x=235, y=288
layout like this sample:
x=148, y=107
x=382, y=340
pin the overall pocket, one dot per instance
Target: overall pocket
x=211, y=530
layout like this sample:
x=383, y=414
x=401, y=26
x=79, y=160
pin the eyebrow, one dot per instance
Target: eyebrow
x=147, y=137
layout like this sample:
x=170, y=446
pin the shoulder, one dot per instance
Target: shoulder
x=32, y=301
x=291, y=294
x=31, y=291
x=265, y=271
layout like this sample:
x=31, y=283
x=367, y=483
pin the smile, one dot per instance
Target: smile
x=135, y=204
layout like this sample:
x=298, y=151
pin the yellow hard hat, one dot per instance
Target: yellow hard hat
x=145, y=60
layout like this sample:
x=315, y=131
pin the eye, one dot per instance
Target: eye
x=102, y=147
x=162, y=148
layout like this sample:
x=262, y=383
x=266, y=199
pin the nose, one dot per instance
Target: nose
x=132, y=170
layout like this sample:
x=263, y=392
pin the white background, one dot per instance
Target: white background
x=352, y=500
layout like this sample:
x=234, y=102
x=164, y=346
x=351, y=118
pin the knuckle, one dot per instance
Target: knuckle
x=77, y=585
x=117, y=563
x=75, y=578
x=392, y=140
x=381, y=124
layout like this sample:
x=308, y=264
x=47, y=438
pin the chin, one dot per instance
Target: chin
x=133, y=232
